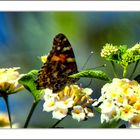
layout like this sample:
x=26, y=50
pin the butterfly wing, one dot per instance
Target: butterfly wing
x=61, y=63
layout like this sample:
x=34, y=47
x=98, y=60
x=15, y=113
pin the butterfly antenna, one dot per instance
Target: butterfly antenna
x=87, y=60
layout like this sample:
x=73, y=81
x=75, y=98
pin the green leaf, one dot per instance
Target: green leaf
x=28, y=81
x=92, y=74
x=97, y=109
x=123, y=48
x=112, y=124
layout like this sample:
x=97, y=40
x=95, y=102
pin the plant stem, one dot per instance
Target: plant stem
x=8, y=109
x=124, y=72
x=31, y=113
x=114, y=68
x=57, y=123
x=136, y=64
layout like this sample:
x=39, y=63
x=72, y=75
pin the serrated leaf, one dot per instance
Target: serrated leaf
x=137, y=78
x=28, y=81
x=92, y=74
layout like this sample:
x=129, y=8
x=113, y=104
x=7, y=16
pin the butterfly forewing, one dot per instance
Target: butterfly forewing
x=61, y=63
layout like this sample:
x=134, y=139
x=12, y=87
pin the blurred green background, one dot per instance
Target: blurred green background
x=24, y=36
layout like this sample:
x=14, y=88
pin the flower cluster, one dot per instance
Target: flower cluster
x=121, y=54
x=120, y=100
x=72, y=100
x=131, y=55
x=9, y=80
x=109, y=50
x=136, y=49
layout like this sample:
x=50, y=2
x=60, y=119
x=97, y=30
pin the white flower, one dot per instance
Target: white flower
x=120, y=99
x=9, y=80
x=126, y=112
x=59, y=113
x=49, y=105
x=88, y=91
x=109, y=111
x=48, y=94
x=107, y=106
x=105, y=118
x=105, y=88
x=9, y=75
x=66, y=102
x=88, y=112
x=50, y=100
x=72, y=97
x=78, y=113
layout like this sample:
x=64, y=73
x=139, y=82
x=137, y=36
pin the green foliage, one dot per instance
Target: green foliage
x=92, y=74
x=28, y=81
x=97, y=109
x=113, y=53
x=112, y=124
x=121, y=55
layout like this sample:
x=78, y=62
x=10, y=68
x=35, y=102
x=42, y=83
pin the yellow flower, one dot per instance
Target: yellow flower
x=44, y=58
x=137, y=106
x=49, y=105
x=4, y=121
x=9, y=81
x=132, y=99
x=59, y=113
x=135, y=121
x=108, y=50
x=120, y=99
x=126, y=112
x=77, y=94
x=78, y=113
x=66, y=100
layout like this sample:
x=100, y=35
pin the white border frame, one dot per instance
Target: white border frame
x=69, y=6
x=70, y=134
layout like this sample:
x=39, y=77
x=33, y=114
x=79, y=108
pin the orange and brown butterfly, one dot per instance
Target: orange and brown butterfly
x=60, y=63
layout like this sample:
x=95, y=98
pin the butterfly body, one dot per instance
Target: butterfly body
x=60, y=63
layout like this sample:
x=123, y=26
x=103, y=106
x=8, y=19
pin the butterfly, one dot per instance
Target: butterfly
x=61, y=63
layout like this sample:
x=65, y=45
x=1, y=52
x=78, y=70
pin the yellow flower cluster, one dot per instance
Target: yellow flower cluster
x=9, y=80
x=73, y=100
x=136, y=49
x=120, y=100
x=108, y=50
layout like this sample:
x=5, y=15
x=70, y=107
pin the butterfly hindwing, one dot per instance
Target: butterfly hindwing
x=61, y=63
